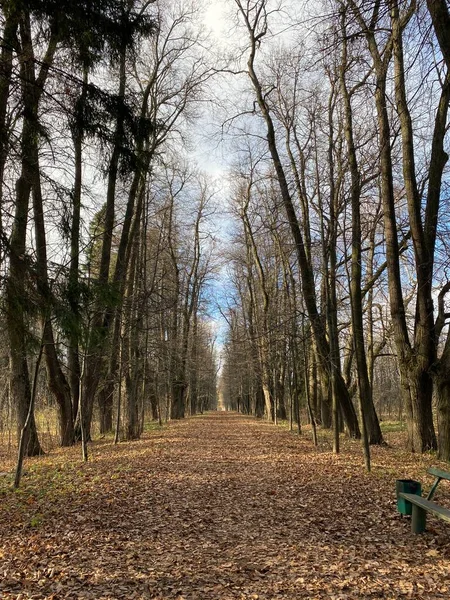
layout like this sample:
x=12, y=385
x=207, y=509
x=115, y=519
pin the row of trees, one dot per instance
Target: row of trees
x=339, y=262
x=104, y=255
x=341, y=212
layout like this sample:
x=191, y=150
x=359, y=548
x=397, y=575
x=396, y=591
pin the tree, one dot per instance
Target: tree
x=255, y=17
x=440, y=16
x=32, y=87
x=416, y=353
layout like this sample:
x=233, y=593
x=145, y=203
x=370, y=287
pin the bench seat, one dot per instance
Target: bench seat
x=420, y=508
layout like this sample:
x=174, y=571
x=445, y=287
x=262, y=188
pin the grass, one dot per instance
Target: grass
x=153, y=426
x=392, y=426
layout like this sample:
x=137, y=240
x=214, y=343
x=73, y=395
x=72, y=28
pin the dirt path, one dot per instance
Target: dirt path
x=216, y=507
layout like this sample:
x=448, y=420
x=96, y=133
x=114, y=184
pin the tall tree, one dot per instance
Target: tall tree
x=369, y=420
x=256, y=19
x=32, y=89
x=416, y=353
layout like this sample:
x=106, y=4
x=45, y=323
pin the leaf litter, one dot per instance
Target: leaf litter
x=223, y=507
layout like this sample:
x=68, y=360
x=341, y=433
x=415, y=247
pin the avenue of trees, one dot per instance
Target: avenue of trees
x=105, y=257
x=340, y=201
x=337, y=289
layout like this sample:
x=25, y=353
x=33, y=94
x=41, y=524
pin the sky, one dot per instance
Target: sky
x=213, y=158
x=215, y=18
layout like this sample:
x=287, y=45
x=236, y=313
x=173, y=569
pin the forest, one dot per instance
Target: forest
x=340, y=252
x=307, y=282
x=224, y=298
x=106, y=255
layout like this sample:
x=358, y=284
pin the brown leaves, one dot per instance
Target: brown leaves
x=219, y=507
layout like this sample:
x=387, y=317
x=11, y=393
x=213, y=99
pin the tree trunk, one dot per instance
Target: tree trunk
x=415, y=360
x=132, y=326
x=178, y=395
x=56, y=379
x=442, y=384
x=152, y=392
x=73, y=292
x=95, y=366
x=424, y=353
x=6, y=66
x=440, y=15
x=16, y=297
x=369, y=421
x=307, y=276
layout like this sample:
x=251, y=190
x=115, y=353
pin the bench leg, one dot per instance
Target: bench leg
x=434, y=488
x=418, y=519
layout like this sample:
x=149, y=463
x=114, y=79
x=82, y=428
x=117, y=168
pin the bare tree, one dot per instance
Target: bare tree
x=256, y=19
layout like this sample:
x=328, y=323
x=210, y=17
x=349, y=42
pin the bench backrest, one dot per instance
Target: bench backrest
x=439, y=473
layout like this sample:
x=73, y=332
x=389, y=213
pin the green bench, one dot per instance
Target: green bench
x=420, y=505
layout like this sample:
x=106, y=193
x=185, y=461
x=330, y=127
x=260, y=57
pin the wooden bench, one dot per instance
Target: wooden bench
x=420, y=506
x=419, y=511
x=439, y=475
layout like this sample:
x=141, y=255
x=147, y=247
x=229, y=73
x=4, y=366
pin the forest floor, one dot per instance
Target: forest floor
x=219, y=507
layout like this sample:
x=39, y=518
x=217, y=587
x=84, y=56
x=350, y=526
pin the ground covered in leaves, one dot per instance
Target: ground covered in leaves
x=218, y=507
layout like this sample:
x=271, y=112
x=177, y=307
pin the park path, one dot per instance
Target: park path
x=222, y=507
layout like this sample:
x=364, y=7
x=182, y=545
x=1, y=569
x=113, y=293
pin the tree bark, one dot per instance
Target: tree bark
x=440, y=16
